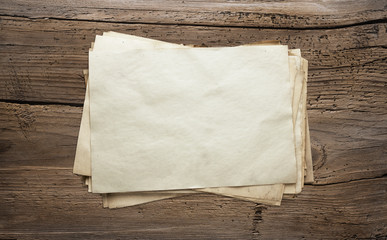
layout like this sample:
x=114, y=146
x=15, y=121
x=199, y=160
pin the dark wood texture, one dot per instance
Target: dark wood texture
x=43, y=49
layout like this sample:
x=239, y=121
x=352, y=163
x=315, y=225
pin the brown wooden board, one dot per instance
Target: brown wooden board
x=43, y=50
x=49, y=203
x=42, y=60
x=250, y=13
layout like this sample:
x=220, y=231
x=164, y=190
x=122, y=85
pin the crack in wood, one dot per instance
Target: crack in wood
x=40, y=103
x=257, y=218
x=369, y=22
x=348, y=181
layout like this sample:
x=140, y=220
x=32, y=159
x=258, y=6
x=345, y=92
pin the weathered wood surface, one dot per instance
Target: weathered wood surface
x=43, y=49
x=49, y=69
x=49, y=203
x=250, y=13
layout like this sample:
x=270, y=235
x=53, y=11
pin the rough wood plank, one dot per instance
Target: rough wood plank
x=38, y=135
x=345, y=146
x=354, y=210
x=274, y=14
x=42, y=60
x=50, y=203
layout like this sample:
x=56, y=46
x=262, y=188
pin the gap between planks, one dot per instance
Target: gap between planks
x=369, y=22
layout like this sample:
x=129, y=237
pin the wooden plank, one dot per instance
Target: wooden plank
x=354, y=210
x=345, y=146
x=38, y=135
x=50, y=203
x=273, y=14
x=42, y=60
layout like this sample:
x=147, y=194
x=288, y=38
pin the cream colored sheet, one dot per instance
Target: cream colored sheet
x=89, y=165
x=309, y=176
x=296, y=84
x=119, y=200
x=167, y=104
x=299, y=120
x=276, y=189
x=269, y=194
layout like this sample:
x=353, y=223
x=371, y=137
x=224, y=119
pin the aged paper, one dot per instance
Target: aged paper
x=296, y=77
x=181, y=141
x=269, y=194
x=82, y=154
x=118, y=200
x=299, y=127
x=151, y=40
x=309, y=176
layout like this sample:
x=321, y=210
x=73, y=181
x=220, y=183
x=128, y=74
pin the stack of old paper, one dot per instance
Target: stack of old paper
x=163, y=120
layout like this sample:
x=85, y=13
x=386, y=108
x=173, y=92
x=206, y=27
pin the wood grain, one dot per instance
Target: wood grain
x=43, y=50
x=38, y=135
x=42, y=60
x=46, y=136
x=272, y=14
x=50, y=203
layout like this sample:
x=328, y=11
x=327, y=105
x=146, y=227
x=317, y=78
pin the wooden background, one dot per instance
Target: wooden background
x=43, y=49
